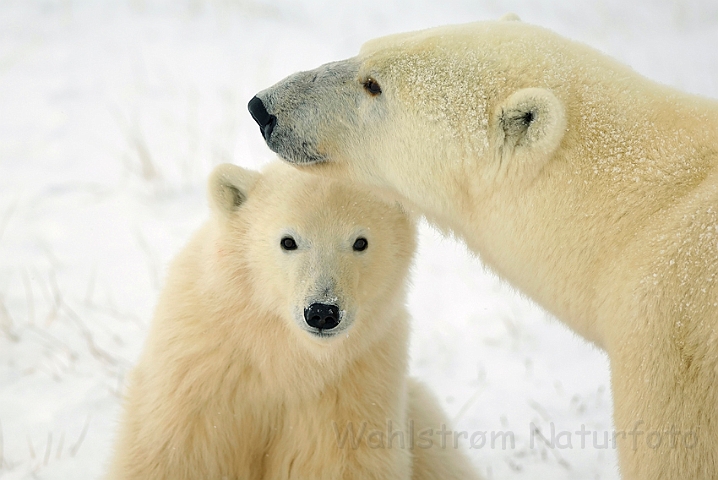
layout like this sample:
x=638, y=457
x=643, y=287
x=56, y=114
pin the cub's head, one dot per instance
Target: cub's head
x=324, y=257
x=478, y=99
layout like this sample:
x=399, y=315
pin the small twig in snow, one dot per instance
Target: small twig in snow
x=91, y=345
x=91, y=286
x=31, y=448
x=540, y=410
x=551, y=448
x=44, y=289
x=78, y=444
x=481, y=377
x=56, y=297
x=60, y=444
x=149, y=171
x=6, y=322
x=513, y=465
x=6, y=218
x=51, y=258
x=466, y=406
x=59, y=343
x=137, y=142
x=48, y=449
x=29, y=298
x=61, y=304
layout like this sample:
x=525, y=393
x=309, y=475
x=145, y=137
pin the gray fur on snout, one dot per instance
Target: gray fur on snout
x=304, y=116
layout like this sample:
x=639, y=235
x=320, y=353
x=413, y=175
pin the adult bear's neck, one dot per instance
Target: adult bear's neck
x=567, y=232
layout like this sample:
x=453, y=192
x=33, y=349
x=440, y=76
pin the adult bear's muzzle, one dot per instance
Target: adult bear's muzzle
x=302, y=115
x=263, y=118
x=278, y=125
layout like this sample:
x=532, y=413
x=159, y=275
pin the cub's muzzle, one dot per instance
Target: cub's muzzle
x=322, y=316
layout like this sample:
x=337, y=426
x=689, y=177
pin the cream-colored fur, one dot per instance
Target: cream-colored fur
x=587, y=186
x=233, y=384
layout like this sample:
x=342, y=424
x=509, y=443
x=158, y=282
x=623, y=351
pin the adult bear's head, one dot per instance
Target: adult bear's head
x=461, y=105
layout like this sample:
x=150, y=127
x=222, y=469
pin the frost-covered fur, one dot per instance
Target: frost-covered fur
x=234, y=384
x=587, y=186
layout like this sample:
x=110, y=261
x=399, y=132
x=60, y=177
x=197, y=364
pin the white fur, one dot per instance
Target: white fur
x=231, y=385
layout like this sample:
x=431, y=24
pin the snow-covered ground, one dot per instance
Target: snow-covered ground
x=112, y=113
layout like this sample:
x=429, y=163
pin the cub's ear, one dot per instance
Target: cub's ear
x=529, y=126
x=229, y=186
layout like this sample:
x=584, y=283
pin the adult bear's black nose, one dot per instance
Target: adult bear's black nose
x=322, y=316
x=260, y=115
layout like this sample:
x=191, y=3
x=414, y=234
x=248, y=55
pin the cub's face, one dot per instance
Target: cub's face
x=327, y=258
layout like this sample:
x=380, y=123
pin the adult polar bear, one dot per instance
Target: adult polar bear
x=587, y=186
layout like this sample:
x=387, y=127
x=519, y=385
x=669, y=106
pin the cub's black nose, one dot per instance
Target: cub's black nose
x=260, y=115
x=322, y=316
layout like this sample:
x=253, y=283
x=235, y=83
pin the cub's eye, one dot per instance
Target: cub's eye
x=372, y=86
x=360, y=244
x=288, y=243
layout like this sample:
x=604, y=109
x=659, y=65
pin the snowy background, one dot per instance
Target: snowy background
x=112, y=113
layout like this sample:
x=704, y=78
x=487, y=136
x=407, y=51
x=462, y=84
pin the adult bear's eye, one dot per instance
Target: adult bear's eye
x=360, y=244
x=372, y=86
x=288, y=243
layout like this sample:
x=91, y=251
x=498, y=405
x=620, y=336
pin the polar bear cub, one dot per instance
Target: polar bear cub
x=279, y=345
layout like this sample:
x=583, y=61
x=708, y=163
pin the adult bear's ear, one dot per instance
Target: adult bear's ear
x=229, y=186
x=529, y=126
x=510, y=17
